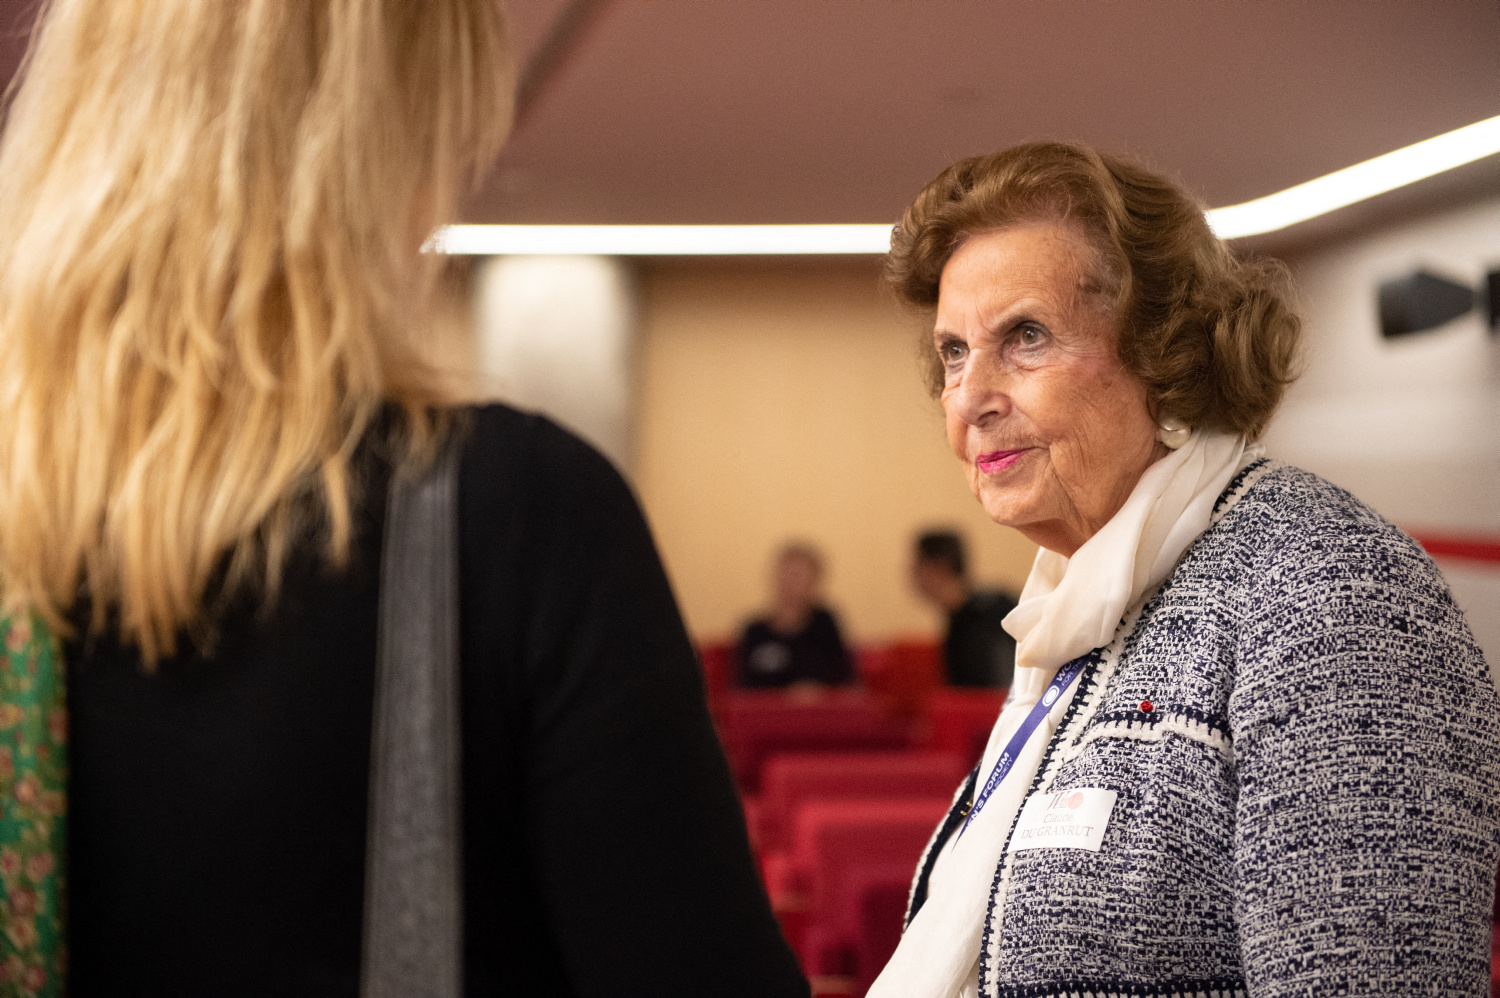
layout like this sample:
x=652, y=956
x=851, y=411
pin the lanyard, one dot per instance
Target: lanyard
x=1012, y=750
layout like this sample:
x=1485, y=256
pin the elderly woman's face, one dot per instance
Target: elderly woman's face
x=1052, y=431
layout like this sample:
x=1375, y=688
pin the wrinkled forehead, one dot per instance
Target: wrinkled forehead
x=1049, y=265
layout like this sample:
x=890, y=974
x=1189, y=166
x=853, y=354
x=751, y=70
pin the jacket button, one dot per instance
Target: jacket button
x=1146, y=707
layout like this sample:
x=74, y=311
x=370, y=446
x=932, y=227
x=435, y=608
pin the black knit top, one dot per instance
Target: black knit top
x=218, y=806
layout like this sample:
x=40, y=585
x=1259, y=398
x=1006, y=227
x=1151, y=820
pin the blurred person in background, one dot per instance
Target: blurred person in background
x=797, y=644
x=1251, y=746
x=211, y=297
x=977, y=651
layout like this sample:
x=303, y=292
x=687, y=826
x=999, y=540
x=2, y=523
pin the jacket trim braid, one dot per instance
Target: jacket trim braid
x=1137, y=726
x=1119, y=989
x=1239, y=485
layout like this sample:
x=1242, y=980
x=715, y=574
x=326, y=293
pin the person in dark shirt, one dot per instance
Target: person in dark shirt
x=799, y=641
x=977, y=650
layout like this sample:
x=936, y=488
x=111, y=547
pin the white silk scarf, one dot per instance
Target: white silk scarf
x=1069, y=607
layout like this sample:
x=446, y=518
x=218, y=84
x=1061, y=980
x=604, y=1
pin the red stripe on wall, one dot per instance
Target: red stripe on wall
x=1469, y=548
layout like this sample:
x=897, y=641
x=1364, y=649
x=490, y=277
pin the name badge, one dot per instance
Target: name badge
x=1069, y=819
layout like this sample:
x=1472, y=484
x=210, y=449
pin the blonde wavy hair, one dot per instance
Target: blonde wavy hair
x=210, y=283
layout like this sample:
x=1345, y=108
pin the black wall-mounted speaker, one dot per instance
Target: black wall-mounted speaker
x=1420, y=301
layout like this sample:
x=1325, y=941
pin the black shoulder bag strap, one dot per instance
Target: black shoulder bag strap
x=413, y=922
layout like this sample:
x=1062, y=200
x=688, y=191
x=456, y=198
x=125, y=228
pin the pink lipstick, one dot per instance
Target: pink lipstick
x=998, y=460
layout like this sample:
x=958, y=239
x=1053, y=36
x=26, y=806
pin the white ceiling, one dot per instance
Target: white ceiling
x=740, y=111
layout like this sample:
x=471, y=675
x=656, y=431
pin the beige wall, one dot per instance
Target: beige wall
x=782, y=400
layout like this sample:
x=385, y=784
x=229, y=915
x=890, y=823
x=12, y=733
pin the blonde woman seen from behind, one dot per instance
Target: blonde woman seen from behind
x=211, y=294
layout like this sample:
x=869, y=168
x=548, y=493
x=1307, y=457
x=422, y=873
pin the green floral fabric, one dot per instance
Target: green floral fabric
x=33, y=809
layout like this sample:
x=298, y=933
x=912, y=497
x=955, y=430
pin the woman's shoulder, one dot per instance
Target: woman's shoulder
x=510, y=454
x=1301, y=531
x=501, y=434
x=1292, y=496
x=1291, y=512
x=534, y=497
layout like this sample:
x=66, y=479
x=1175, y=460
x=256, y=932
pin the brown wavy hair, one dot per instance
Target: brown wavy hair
x=1213, y=337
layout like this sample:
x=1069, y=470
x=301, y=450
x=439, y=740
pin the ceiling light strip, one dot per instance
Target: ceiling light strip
x=1358, y=182
x=1267, y=214
x=662, y=240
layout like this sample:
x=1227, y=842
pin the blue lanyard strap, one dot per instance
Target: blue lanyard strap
x=1012, y=750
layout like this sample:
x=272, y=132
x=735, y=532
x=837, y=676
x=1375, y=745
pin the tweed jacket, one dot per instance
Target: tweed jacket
x=1305, y=743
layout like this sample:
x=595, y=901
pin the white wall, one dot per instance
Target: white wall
x=557, y=335
x=1412, y=425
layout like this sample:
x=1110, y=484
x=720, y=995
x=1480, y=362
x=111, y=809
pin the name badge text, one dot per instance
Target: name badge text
x=1068, y=819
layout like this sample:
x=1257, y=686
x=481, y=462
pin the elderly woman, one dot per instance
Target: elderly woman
x=1252, y=747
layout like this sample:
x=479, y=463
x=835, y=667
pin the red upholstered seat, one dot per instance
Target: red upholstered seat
x=840, y=847
x=1495, y=944
x=902, y=675
x=757, y=724
x=790, y=779
x=752, y=808
x=881, y=901
x=717, y=659
x=960, y=721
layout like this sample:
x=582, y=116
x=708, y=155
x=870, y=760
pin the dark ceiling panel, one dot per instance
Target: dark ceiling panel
x=839, y=110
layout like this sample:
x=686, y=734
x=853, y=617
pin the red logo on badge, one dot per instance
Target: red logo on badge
x=1075, y=802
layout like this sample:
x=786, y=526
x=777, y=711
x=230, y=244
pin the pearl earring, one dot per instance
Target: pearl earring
x=1174, y=433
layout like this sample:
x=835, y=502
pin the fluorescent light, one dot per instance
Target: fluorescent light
x=1267, y=214
x=660, y=240
x=1357, y=182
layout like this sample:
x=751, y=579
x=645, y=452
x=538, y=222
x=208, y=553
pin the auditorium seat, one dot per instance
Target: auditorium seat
x=753, y=821
x=838, y=848
x=836, y=956
x=901, y=675
x=717, y=660
x=881, y=901
x=790, y=779
x=960, y=720
x=756, y=724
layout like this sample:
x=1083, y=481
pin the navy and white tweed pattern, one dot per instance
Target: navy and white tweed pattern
x=1309, y=807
